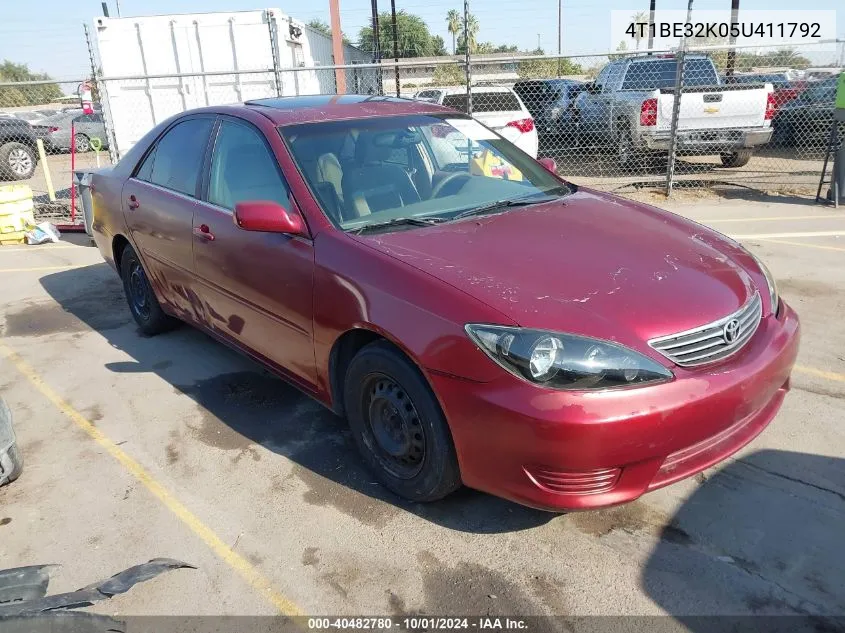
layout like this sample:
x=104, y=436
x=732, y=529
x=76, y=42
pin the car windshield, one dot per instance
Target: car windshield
x=434, y=167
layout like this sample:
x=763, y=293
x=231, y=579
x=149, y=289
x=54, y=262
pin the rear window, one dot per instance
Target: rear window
x=484, y=102
x=660, y=73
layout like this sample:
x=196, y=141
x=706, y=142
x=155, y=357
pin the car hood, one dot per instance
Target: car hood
x=589, y=263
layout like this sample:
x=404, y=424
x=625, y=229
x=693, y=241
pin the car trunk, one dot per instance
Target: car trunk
x=714, y=107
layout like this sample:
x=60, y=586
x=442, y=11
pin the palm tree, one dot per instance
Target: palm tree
x=453, y=24
x=471, y=29
x=640, y=17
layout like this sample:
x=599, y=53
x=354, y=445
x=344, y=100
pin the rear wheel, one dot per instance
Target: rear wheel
x=82, y=143
x=17, y=161
x=398, y=426
x=628, y=157
x=16, y=458
x=736, y=159
x=143, y=304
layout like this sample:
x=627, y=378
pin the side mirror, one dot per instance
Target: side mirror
x=267, y=216
x=549, y=164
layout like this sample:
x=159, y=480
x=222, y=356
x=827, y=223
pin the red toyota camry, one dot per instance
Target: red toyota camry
x=477, y=319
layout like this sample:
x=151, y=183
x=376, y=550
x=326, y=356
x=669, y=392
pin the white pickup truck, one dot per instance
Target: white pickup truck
x=630, y=103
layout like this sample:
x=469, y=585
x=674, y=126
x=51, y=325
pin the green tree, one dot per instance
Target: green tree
x=318, y=25
x=438, y=46
x=640, y=17
x=414, y=38
x=546, y=68
x=470, y=32
x=453, y=25
x=23, y=95
x=449, y=75
x=623, y=50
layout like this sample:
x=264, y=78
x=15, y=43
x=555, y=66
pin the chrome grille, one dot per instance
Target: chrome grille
x=713, y=341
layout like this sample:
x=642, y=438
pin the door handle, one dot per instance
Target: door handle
x=204, y=232
x=133, y=202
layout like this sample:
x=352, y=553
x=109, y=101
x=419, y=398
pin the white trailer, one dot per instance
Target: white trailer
x=155, y=66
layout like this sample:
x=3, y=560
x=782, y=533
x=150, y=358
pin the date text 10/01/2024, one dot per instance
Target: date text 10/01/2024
x=724, y=29
x=418, y=623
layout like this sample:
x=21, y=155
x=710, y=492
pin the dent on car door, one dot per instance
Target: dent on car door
x=256, y=287
x=159, y=202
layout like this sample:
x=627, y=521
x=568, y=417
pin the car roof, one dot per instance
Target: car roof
x=310, y=108
x=476, y=89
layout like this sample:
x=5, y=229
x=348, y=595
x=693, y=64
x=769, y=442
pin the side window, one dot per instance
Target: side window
x=178, y=156
x=242, y=168
x=145, y=172
x=602, y=77
x=614, y=76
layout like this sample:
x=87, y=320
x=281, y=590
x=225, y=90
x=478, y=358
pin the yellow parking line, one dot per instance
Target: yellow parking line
x=819, y=246
x=820, y=373
x=763, y=236
x=33, y=249
x=41, y=268
x=775, y=218
x=247, y=571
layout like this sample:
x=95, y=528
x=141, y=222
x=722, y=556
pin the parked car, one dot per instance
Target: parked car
x=784, y=89
x=429, y=94
x=18, y=151
x=504, y=329
x=629, y=106
x=500, y=109
x=552, y=104
x=11, y=460
x=807, y=120
x=57, y=130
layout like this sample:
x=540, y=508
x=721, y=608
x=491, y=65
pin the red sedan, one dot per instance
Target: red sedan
x=477, y=319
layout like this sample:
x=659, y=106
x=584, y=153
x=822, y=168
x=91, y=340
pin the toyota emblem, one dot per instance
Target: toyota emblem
x=731, y=331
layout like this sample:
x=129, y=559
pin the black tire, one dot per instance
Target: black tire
x=82, y=143
x=17, y=161
x=737, y=159
x=143, y=304
x=628, y=158
x=16, y=456
x=398, y=426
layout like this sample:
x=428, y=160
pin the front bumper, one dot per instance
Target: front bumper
x=560, y=450
x=712, y=141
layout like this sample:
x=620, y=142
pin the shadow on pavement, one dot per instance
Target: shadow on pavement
x=257, y=407
x=764, y=536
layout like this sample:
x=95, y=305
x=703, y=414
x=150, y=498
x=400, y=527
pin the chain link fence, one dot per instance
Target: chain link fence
x=696, y=117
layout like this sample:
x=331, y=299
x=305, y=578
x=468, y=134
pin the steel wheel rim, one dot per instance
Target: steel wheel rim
x=394, y=426
x=138, y=291
x=20, y=162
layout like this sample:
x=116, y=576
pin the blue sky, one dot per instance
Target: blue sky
x=47, y=34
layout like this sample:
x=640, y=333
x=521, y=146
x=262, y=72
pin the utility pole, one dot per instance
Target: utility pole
x=538, y=42
x=559, y=32
x=651, y=8
x=337, y=47
x=376, y=45
x=395, y=43
x=731, y=62
x=467, y=58
x=117, y=7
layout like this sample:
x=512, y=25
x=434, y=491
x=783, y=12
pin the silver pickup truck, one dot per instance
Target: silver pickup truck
x=629, y=107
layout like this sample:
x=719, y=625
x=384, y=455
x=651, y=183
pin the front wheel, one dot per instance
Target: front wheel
x=736, y=159
x=398, y=426
x=143, y=304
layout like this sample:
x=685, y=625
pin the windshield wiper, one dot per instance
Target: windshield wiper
x=503, y=204
x=411, y=220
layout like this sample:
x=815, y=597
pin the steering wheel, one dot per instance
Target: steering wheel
x=438, y=188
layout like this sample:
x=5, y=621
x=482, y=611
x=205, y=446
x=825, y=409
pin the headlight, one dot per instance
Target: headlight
x=770, y=281
x=565, y=361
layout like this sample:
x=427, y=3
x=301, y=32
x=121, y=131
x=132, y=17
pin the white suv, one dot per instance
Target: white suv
x=500, y=109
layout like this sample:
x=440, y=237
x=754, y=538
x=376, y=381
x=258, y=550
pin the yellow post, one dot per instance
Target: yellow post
x=43, y=158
